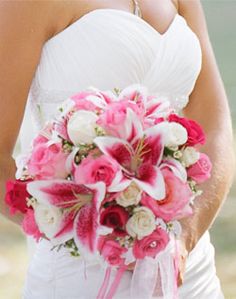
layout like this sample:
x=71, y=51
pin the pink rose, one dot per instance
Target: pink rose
x=47, y=161
x=113, y=119
x=39, y=139
x=81, y=102
x=151, y=245
x=29, y=225
x=115, y=217
x=16, y=195
x=201, y=170
x=195, y=131
x=111, y=251
x=175, y=203
x=102, y=98
x=92, y=170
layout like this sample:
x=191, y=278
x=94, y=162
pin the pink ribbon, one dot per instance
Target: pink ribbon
x=161, y=272
x=157, y=275
x=104, y=288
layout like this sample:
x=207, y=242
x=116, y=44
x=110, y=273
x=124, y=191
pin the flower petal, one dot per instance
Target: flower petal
x=86, y=225
x=134, y=92
x=132, y=127
x=153, y=145
x=150, y=179
x=116, y=148
x=157, y=106
x=176, y=167
x=119, y=183
x=60, y=193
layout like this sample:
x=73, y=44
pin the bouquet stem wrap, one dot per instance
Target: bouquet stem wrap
x=152, y=278
x=156, y=278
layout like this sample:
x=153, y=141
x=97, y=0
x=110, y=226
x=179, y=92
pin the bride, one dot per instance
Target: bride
x=51, y=49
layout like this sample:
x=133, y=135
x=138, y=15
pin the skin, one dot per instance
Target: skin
x=35, y=22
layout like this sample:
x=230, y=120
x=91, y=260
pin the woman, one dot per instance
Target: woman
x=52, y=49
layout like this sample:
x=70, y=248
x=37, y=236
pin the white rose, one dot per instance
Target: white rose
x=190, y=156
x=142, y=223
x=130, y=196
x=81, y=127
x=48, y=219
x=177, y=135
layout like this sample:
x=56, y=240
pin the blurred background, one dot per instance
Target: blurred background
x=220, y=16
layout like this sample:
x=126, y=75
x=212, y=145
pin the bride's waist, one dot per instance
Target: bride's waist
x=62, y=257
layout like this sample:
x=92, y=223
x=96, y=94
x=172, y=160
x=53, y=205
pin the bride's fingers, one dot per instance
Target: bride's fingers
x=182, y=267
x=131, y=266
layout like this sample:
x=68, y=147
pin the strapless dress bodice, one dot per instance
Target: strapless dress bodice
x=109, y=48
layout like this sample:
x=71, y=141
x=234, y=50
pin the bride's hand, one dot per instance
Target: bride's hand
x=131, y=266
x=182, y=258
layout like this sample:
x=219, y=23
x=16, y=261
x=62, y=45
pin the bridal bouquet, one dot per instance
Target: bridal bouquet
x=110, y=177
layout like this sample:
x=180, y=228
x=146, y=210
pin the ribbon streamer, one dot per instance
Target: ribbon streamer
x=156, y=278
x=152, y=277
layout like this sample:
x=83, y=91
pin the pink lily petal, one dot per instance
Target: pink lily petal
x=153, y=145
x=60, y=193
x=65, y=232
x=150, y=179
x=97, y=101
x=135, y=92
x=132, y=127
x=119, y=183
x=157, y=106
x=87, y=222
x=70, y=160
x=116, y=148
x=176, y=167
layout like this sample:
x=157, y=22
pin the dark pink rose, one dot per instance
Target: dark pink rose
x=111, y=251
x=92, y=170
x=175, y=203
x=201, y=170
x=195, y=131
x=151, y=245
x=16, y=195
x=29, y=225
x=47, y=161
x=115, y=217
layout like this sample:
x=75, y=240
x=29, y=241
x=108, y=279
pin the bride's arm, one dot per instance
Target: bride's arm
x=24, y=27
x=209, y=106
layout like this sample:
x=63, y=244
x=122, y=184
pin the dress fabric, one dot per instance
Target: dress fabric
x=109, y=48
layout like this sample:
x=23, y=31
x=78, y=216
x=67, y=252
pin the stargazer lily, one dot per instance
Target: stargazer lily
x=79, y=205
x=139, y=155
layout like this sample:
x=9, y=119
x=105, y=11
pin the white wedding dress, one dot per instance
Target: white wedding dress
x=109, y=48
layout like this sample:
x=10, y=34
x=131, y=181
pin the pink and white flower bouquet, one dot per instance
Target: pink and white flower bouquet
x=110, y=177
